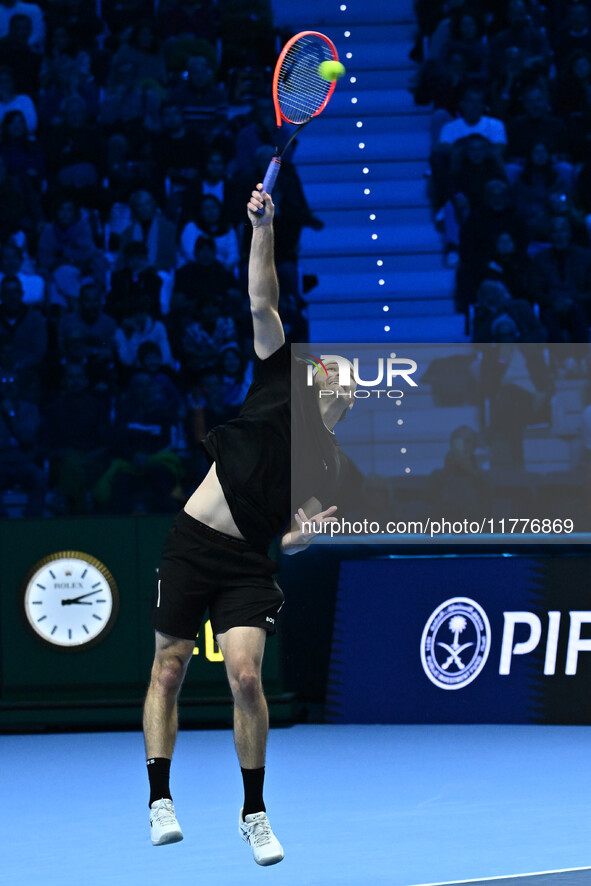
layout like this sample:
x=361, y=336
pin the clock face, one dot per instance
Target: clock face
x=70, y=599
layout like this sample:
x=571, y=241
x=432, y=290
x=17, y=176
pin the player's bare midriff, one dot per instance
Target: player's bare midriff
x=208, y=505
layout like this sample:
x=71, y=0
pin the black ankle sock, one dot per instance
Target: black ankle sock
x=159, y=774
x=253, y=790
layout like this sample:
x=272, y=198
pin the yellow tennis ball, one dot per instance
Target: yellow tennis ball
x=331, y=70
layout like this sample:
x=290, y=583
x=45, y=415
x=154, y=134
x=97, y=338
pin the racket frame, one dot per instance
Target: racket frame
x=279, y=115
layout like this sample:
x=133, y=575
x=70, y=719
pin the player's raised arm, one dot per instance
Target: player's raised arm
x=263, y=288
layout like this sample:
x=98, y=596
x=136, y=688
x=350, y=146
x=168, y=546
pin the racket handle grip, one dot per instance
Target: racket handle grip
x=271, y=177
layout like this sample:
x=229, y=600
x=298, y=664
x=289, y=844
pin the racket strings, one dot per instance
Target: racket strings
x=301, y=91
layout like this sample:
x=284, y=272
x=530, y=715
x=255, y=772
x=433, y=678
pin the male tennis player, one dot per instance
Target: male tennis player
x=216, y=552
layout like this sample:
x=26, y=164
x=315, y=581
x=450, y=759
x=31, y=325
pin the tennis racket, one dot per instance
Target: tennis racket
x=299, y=92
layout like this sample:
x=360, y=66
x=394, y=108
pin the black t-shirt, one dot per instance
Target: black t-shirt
x=253, y=453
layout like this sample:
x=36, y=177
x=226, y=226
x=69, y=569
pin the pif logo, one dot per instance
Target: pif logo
x=456, y=641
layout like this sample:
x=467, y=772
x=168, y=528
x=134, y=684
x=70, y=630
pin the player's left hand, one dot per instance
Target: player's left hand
x=314, y=523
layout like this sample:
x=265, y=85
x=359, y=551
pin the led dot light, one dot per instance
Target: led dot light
x=386, y=329
x=400, y=421
x=359, y=124
x=343, y=7
x=365, y=170
x=386, y=308
x=366, y=191
x=374, y=236
x=353, y=101
x=353, y=80
x=407, y=470
x=348, y=55
x=399, y=403
x=403, y=450
x=381, y=282
x=379, y=263
x=372, y=217
x=361, y=145
x=347, y=34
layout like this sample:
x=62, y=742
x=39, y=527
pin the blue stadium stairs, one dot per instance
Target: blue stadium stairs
x=378, y=259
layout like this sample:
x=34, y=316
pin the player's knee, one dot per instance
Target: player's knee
x=168, y=674
x=246, y=685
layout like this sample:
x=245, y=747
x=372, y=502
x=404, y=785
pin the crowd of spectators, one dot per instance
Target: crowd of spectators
x=131, y=134
x=509, y=84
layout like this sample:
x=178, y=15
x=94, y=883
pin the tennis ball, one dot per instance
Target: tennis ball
x=331, y=70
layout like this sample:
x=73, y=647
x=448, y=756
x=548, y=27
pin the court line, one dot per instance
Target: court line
x=504, y=877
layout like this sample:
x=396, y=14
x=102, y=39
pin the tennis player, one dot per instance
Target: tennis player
x=216, y=552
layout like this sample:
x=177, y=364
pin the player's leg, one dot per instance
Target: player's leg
x=160, y=730
x=243, y=648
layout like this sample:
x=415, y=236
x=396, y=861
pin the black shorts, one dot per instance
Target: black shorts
x=203, y=568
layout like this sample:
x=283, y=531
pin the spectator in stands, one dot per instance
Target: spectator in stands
x=509, y=266
x=471, y=122
x=145, y=471
x=10, y=100
x=19, y=426
x=205, y=275
x=128, y=107
x=473, y=165
x=573, y=36
x=236, y=371
x=519, y=387
x=21, y=153
x=182, y=17
x=203, y=101
x=137, y=328
x=135, y=280
x=21, y=327
x=442, y=84
x=142, y=49
x=493, y=301
x=561, y=284
x=64, y=46
x=10, y=8
x=75, y=434
x=209, y=222
x=536, y=125
x=150, y=227
x=74, y=153
x=465, y=35
x=460, y=489
x=177, y=155
x=479, y=234
x=539, y=178
x=15, y=54
x=95, y=327
x=11, y=263
x=521, y=34
x=574, y=102
x=20, y=211
x=474, y=121
x=67, y=253
x=204, y=338
x=60, y=83
x=149, y=358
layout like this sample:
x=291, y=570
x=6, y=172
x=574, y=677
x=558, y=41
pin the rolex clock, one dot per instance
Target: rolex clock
x=70, y=600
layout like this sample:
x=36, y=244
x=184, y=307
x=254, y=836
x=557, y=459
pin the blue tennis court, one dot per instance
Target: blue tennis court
x=382, y=805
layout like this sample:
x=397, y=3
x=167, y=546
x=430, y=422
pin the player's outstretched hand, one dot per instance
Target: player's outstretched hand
x=259, y=199
x=315, y=525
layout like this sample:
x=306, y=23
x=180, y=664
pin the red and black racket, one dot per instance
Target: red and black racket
x=299, y=92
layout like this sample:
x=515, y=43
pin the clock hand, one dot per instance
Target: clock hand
x=76, y=602
x=81, y=597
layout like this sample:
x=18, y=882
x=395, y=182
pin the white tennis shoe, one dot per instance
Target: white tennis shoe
x=256, y=831
x=163, y=824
